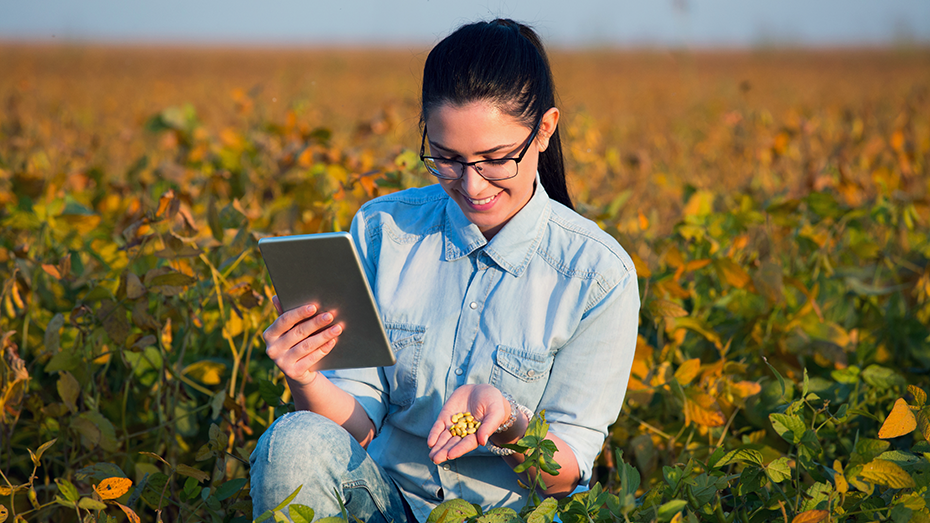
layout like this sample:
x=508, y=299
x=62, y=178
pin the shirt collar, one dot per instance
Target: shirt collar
x=512, y=247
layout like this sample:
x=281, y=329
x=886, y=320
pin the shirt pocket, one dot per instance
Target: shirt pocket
x=523, y=373
x=407, y=343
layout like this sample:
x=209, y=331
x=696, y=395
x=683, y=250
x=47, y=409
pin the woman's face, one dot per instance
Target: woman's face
x=480, y=131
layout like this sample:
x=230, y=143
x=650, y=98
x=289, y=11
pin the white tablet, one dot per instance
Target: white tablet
x=325, y=269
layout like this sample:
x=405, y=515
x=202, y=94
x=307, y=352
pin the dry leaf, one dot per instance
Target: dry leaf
x=899, y=422
x=112, y=488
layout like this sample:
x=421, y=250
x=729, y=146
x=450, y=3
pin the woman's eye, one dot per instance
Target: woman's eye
x=498, y=162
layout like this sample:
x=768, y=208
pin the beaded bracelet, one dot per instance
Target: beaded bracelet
x=505, y=426
x=500, y=451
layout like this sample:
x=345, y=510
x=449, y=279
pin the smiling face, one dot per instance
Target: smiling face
x=480, y=131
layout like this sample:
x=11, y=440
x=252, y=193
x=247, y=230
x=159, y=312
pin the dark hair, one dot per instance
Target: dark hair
x=502, y=62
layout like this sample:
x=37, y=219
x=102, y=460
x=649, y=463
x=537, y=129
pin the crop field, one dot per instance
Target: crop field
x=776, y=204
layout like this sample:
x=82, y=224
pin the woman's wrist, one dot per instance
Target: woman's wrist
x=512, y=434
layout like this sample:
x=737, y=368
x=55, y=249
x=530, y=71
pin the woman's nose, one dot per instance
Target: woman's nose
x=472, y=182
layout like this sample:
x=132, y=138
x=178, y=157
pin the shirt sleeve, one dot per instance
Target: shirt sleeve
x=589, y=375
x=368, y=385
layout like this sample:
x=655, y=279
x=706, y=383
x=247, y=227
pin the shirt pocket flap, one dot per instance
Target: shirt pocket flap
x=524, y=364
x=402, y=335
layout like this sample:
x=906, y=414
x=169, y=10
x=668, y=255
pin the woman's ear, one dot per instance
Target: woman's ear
x=550, y=120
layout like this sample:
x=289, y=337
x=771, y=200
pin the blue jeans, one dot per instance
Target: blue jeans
x=304, y=448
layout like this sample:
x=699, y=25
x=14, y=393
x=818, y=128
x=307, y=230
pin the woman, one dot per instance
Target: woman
x=498, y=300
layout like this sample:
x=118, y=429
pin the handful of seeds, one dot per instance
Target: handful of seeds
x=464, y=424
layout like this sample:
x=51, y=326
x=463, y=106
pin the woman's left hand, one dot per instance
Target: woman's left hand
x=486, y=405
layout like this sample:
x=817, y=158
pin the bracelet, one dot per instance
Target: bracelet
x=505, y=426
x=500, y=451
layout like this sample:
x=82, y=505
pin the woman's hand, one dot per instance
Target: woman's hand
x=298, y=339
x=486, y=405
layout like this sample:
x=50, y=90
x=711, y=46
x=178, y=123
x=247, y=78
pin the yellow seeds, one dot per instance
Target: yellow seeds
x=463, y=424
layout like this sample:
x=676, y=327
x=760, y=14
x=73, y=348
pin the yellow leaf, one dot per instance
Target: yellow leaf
x=923, y=421
x=703, y=409
x=842, y=486
x=811, y=516
x=3, y=514
x=660, y=308
x=51, y=270
x=744, y=389
x=701, y=203
x=642, y=269
x=112, y=488
x=130, y=514
x=899, y=422
x=886, y=473
x=732, y=273
x=206, y=371
x=687, y=371
x=920, y=397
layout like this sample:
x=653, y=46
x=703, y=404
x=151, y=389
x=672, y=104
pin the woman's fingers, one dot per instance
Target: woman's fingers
x=311, y=348
x=277, y=304
x=286, y=322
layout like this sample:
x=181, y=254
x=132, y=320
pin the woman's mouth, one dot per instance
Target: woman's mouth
x=481, y=204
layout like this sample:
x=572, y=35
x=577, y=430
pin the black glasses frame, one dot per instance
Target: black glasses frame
x=474, y=164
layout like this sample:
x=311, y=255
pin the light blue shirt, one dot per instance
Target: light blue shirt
x=547, y=311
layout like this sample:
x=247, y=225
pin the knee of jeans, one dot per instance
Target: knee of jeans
x=299, y=438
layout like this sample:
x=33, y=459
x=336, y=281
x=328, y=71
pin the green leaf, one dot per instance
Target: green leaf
x=868, y=449
x=53, y=335
x=778, y=470
x=98, y=472
x=229, y=488
x=67, y=489
x=781, y=380
x=91, y=504
x=300, y=513
x=69, y=390
x=270, y=392
x=790, y=428
x=43, y=447
x=882, y=377
x=288, y=499
x=668, y=510
x=500, y=515
x=545, y=512
x=740, y=455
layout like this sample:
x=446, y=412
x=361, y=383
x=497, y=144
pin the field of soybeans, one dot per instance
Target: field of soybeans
x=776, y=204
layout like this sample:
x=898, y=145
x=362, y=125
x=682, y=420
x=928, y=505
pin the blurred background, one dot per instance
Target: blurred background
x=585, y=23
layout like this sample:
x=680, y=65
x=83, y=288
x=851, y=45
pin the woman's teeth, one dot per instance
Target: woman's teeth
x=480, y=202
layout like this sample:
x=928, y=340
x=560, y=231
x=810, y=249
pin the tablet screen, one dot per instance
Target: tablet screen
x=325, y=269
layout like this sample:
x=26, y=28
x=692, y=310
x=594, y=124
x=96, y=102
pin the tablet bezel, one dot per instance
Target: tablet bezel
x=325, y=269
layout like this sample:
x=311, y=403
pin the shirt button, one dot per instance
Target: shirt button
x=531, y=373
x=459, y=372
x=473, y=305
x=446, y=467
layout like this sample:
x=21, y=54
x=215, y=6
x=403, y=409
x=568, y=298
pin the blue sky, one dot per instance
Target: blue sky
x=693, y=23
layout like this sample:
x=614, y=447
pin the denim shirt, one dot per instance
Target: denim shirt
x=547, y=310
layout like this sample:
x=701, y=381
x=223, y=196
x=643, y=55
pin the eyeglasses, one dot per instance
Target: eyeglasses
x=495, y=169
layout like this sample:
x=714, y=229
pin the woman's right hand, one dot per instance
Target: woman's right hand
x=298, y=339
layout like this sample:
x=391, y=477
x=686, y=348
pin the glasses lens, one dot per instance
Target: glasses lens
x=443, y=168
x=498, y=169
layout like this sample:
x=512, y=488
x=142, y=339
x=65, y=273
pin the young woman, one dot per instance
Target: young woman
x=498, y=300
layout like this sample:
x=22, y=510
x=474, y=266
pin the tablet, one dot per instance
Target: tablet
x=325, y=269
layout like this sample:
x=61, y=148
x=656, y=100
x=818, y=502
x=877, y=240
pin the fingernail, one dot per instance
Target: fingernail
x=328, y=317
x=311, y=309
x=337, y=330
